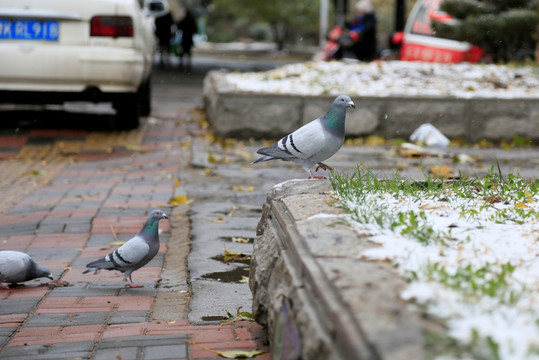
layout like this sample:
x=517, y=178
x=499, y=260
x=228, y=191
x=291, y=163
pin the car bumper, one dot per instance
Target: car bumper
x=32, y=68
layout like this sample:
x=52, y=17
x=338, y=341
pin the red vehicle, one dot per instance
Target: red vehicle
x=418, y=42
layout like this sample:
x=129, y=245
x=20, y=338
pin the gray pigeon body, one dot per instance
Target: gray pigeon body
x=313, y=142
x=136, y=252
x=16, y=267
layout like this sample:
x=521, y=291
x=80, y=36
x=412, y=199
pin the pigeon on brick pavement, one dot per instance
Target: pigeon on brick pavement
x=136, y=252
x=16, y=266
x=314, y=142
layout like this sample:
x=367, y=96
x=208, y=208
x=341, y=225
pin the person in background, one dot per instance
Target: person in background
x=163, y=31
x=361, y=36
x=189, y=28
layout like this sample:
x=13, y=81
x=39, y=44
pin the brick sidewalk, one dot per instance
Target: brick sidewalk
x=67, y=223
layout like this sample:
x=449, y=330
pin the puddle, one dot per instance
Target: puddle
x=246, y=259
x=232, y=276
x=213, y=318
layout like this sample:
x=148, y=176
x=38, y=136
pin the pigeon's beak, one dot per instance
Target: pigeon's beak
x=164, y=216
x=351, y=103
x=50, y=277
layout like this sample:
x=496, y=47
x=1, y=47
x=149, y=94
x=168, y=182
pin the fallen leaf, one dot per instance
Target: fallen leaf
x=230, y=354
x=241, y=240
x=521, y=205
x=179, y=200
x=444, y=171
x=244, y=279
x=240, y=354
x=57, y=283
x=176, y=182
x=230, y=256
x=411, y=151
x=116, y=243
x=496, y=198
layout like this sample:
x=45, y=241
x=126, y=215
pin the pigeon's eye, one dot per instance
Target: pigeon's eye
x=157, y=213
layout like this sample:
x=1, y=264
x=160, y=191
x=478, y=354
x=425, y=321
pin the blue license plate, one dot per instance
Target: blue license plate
x=29, y=30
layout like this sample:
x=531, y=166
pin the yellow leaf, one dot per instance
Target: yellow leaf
x=240, y=354
x=444, y=171
x=529, y=198
x=240, y=240
x=244, y=279
x=521, y=205
x=176, y=182
x=116, y=243
x=179, y=200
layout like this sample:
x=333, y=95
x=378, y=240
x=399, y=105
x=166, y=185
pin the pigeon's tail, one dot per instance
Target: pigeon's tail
x=99, y=264
x=263, y=158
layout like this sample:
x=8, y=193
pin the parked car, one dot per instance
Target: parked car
x=419, y=43
x=57, y=51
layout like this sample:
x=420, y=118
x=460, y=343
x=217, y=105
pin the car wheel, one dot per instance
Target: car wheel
x=145, y=98
x=127, y=112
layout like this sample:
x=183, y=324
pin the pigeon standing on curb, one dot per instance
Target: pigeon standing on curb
x=16, y=266
x=314, y=142
x=136, y=252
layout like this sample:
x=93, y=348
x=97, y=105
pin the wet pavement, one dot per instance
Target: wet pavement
x=65, y=193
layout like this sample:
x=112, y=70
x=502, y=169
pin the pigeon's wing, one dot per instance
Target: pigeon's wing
x=132, y=252
x=305, y=141
x=301, y=144
x=13, y=266
x=127, y=256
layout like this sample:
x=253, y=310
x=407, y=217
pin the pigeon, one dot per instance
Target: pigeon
x=16, y=266
x=136, y=252
x=313, y=142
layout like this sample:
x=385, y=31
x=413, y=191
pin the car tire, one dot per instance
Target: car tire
x=127, y=112
x=145, y=97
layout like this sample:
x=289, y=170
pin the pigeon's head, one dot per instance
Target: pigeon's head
x=344, y=101
x=42, y=271
x=157, y=215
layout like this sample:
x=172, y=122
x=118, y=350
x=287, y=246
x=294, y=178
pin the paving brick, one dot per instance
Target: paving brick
x=117, y=353
x=18, y=305
x=82, y=289
x=129, y=317
x=72, y=319
x=165, y=352
x=75, y=350
x=94, y=304
x=40, y=253
x=18, y=242
x=56, y=335
x=55, y=241
x=223, y=334
x=30, y=289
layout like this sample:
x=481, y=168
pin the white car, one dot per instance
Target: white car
x=56, y=51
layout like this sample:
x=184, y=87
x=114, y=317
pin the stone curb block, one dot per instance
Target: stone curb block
x=241, y=114
x=312, y=291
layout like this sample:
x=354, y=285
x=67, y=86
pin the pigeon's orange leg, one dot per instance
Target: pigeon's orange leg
x=313, y=176
x=131, y=285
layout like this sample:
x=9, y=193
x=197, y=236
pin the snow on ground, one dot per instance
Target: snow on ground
x=482, y=277
x=393, y=78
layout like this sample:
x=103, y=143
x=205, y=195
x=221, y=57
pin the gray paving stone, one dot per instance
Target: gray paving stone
x=127, y=353
x=143, y=341
x=165, y=352
x=82, y=289
x=75, y=350
x=18, y=306
x=67, y=319
x=50, y=229
x=128, y=317
x=53, y=254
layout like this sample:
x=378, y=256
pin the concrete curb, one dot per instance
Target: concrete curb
x=236, y=113
x=316, y=297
